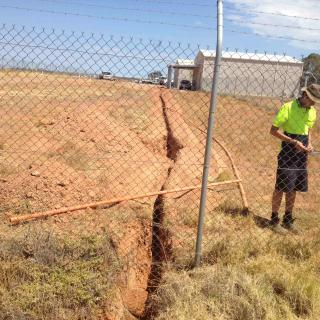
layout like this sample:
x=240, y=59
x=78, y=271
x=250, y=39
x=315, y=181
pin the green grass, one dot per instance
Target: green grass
x=46, y=277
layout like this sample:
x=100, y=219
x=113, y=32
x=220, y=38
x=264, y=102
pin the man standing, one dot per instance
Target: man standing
x=295, y=118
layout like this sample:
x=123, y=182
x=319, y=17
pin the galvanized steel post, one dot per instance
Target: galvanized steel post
x=169, y=79
x=207, y=158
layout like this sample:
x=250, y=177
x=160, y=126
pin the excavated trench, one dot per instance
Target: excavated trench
x=161, y=247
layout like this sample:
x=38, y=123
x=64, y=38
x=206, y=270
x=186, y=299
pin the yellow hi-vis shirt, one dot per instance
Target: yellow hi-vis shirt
x=295, y=119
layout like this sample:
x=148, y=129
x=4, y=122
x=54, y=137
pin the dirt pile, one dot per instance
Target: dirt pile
x=99, y=140
x=88, y=148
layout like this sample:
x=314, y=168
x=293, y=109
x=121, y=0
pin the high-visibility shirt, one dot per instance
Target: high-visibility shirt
x=295, y=119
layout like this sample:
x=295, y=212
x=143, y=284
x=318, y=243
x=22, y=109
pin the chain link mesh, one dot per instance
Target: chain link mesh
x=87, y=118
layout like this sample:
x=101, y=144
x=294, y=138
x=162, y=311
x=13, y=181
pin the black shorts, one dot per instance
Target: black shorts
x=292, y=174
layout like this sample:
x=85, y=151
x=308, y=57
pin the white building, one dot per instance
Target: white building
x=248, y=74
x=181, y=73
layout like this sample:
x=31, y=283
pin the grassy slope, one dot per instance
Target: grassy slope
x=72, y=271
x=256, y=278
x=251, y=275
x=249, y=272
x=42, y=275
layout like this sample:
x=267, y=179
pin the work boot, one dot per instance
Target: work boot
x=287, y=223
x=275, y=224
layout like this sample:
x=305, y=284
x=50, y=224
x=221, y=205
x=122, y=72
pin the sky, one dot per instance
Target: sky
x=246, y=24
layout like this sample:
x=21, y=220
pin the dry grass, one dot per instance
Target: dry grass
x=6, y=169
x=244, y=280
x=42, y=276
x=224, y=175
x=23, y=206
x=248, y=272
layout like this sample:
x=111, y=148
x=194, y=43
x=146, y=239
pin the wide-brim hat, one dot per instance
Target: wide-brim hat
x=313, y=92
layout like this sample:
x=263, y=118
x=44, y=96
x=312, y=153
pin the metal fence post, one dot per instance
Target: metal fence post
x=170, y=69
x=207, y=158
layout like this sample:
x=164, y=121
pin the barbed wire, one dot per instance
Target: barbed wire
x=107, y=18
x=158, y=22
x=16, y=44
x=176, y=13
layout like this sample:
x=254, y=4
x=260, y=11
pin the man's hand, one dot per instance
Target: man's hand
x=297, y=144
x=310, y=148
x=300, y=147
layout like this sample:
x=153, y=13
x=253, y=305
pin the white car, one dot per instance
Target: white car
x=106, y=75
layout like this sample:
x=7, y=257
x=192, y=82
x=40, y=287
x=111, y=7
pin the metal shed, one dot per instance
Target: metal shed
x=249, y=74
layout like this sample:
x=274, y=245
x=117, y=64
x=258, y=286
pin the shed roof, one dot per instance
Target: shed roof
x=252, y=56
x=185, y=62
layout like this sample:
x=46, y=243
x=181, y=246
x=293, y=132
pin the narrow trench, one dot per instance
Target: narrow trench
x=161, y=245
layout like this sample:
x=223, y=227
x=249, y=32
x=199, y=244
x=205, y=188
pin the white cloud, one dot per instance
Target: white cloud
x=260, y=23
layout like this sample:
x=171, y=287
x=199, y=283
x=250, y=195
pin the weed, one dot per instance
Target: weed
x=51, y=154
x=103, y=179
x=294, y=250
x=79, y=161
x=189, y=217
x=73, y=156
x=67, y=148
x=265, y=288
x=6, y=170
x=224, y=175
x=229, y=207
x=45, y=277
x=24, y=206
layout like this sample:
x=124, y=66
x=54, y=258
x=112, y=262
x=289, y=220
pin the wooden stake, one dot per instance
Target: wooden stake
x=236, y=173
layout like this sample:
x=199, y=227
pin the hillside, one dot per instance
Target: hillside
x=66, y=141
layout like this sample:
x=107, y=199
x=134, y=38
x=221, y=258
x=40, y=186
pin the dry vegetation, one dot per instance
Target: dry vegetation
x=67, y=141
x=43, y=275
x=249, y=272
x=251, y=275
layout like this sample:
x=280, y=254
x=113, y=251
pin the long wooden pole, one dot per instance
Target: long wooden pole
x=236, y=172
x=38, y=215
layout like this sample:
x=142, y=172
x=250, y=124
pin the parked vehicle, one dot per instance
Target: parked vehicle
x=163, y=80
x=155, y=81
x=185, y=85
x=147, y=81
x=106, y=75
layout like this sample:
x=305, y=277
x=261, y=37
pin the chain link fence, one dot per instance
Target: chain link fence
x=87, y=119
